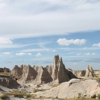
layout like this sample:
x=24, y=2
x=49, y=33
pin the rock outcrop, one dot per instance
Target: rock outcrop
x=9, y=82
x=58, y=70
x=55, y=73
x=72, y=89
x=4, y=69
x=89, y=72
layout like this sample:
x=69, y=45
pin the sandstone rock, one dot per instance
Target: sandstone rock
x=1, y=70
x=4, y=69
x=43, y=76
x=56, y=73
x=88, y=88
x=16, y=72
x=89, y=72
x=71, y=74
x=82, y=73
x=7, y=81
x=28, y=73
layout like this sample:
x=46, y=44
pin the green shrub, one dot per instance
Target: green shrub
x=79, y=95
x=98, y=96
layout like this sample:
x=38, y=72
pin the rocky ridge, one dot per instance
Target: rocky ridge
x=56, y=73
x=88, y=73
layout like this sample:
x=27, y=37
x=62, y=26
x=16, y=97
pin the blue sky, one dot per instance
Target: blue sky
x=33, y=31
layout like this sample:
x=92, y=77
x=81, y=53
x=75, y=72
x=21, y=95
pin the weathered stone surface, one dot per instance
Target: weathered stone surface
x=7, y=81
x=58, y=70
x=82, y=73
x=43, y=76
x=16, y=72
x=55, y=73
x=89, y=72
x=28, y=73
x=4, y=69
x=72, y=89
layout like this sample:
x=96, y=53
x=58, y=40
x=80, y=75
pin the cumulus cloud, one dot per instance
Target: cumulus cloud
x=65, y=42
x=29, y=54
x=23, y=53
x=20, y=54
x=38, y=55
x=88, y=54
x=5, y=41
x=54, y=50
x=96, y=45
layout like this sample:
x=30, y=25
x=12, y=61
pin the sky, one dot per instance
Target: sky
x=34, y=31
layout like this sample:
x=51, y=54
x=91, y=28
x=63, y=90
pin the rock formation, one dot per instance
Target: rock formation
x=58, y=70
x=55, y=73
x=4, y=69
x=9, y=82
x=43, y=75
x=87, y=73
x=87, y=89
x=82, y=73
x=16, y=72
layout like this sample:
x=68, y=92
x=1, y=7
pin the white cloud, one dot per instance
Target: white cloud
x=6, y=53
x=65, y=42
x=93, y=53
x=20, y=54
x=29, y=54
x=88, y=54
x=63, y=16
x=23, y=53
x=54, y=50
x=38, y=55
x=96, y=45
x=5, y=41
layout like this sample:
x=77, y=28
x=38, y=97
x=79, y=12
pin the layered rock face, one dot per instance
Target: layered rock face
x=9, y=82
x=89, y=72
x=56, y=72
x=4, y=69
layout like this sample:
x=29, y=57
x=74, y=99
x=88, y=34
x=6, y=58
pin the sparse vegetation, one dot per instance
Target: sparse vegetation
x=80, y=99
x=4, y=73
x=17, y=93
x=79, y=95
x=37, y=90
x=98, y=96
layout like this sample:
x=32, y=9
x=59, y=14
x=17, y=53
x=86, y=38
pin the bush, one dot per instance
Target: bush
x=98, y=96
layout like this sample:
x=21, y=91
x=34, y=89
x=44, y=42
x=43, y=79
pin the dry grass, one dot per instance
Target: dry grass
x=80, y=99
x=4, y=73
x=37, y=90
x=17, y=94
